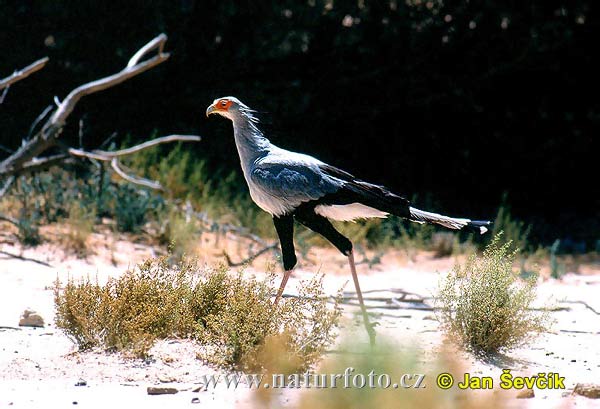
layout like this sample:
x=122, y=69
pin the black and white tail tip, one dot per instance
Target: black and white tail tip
x=421, y=216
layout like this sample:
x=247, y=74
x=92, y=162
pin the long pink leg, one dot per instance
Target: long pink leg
x=368, y=325
x=284, y=281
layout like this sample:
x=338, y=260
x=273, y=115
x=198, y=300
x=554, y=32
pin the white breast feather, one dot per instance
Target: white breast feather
x=270, y=204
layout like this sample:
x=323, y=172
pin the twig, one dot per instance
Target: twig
x=108, y=140
x=37, y=164
x=157, y=42
x=589, y=307
x=5, y=149
x=23, y=73
x=393, y=307
x=6, y=253
x=39, y=119
x=226, y=227
x=7, y=185
x=250, y=258
x=9, y=219
x=4, y=94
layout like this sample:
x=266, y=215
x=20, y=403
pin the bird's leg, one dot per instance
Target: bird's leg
x=368, y=325
x=321, y=225
x=284, y=281
x=284, y=225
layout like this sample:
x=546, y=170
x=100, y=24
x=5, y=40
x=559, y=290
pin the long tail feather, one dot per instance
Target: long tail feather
x=421, y=216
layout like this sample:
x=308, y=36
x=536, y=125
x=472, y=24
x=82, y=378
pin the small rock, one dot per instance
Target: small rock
x=31, y=318
x=161, y=390
x=166, y=378
x=81, y=382
x=526, y=394
x=589, y=390
x=168, y=359
x=195, y=400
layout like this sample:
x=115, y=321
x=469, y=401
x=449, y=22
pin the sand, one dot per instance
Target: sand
x=41, y=367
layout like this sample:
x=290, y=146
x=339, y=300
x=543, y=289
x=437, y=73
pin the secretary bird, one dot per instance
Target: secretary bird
x=291, y=185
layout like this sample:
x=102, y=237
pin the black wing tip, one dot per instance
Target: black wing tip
x=478, y=226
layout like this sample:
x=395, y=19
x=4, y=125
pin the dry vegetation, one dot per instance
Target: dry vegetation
x=485, y=306
x=232, y=317
x=394, y=360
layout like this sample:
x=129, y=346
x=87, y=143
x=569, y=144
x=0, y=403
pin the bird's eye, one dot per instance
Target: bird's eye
x=223, y=103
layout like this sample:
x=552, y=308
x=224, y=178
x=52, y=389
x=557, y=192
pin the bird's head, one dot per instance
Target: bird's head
x=229, y=107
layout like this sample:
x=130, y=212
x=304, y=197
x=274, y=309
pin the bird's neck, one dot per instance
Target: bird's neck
x=250, y=142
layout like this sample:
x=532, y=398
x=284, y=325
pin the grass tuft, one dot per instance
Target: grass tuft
x=484, y=304
x=80, y=225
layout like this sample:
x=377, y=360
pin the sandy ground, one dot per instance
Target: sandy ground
x=42, y=367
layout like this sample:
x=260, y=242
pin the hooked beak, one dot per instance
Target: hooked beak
x=211, y=109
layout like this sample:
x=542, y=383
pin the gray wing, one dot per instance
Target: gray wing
x=293, y=183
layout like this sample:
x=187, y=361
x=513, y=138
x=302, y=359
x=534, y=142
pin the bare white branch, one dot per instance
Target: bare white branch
x=145, y=145
x=90, y=155
x=156, y=42
x=113, y=157
x=133, y=68
x=23, y=73
x=134, y=179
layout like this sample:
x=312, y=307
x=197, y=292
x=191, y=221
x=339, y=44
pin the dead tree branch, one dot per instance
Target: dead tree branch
x=21, y=74
x=9, y=219
x=47, y=137
x=133, y=68
x=108, y=155
x=11, y=255
x=113, y=157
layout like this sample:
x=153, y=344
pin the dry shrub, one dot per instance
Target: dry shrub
x=231, y=316
x=486, y=306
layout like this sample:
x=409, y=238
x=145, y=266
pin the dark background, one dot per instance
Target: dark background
x=452, y=104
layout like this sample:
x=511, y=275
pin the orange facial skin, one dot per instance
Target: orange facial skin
x=223, y=104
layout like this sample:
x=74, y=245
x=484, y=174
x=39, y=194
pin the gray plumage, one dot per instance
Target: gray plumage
x=280, y=180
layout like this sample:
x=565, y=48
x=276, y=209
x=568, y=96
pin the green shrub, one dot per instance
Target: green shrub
x=231, y=316
x=131, y=207
x=485, y=306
